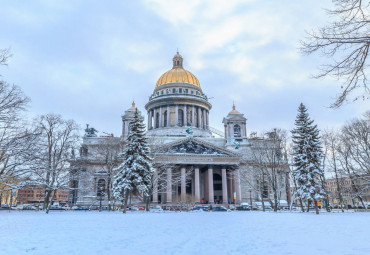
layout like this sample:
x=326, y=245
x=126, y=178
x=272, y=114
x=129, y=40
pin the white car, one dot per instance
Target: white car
x=156, y=208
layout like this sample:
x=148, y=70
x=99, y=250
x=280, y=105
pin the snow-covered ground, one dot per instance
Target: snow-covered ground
x=184, y=233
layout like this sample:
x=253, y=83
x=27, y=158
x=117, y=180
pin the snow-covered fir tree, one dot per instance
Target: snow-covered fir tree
x=307, y=155
x=134, y=174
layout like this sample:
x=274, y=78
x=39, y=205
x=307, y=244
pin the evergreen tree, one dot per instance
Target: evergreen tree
x=134, y=174
x=307, y=155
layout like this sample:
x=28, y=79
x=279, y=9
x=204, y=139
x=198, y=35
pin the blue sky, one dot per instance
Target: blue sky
x=88, y=60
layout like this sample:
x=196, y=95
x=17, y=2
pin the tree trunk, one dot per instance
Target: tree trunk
x=301, y=202
x=125, y=202
x=46, y=199
x=147, y=203
x=308, y=205
x=52, y=197
x=275, y=201
x=108, y=194
x=316, y=207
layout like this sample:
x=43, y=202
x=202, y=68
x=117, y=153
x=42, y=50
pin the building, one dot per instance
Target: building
x=351, y=190
x=195, y=163
x=35, y=194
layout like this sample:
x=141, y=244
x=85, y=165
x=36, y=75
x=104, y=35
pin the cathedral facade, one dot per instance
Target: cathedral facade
x=194, y=162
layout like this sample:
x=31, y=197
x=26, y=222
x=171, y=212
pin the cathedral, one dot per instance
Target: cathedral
x=194, y=162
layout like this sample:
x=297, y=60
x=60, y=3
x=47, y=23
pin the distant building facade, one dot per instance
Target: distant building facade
x=351, y=190
x=34, y=194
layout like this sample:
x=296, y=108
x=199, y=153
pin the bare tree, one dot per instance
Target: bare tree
x=345, y=41
x=331, y=143
x=270, y=164
x=14, y=137
x=51, y=153
x=108, y=151
x=354, y=154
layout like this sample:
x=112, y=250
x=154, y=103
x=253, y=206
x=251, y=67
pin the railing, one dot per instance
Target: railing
x=217, y=132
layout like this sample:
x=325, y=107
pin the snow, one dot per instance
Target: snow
x=92, y=232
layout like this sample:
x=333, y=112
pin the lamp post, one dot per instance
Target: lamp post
x=250, y=197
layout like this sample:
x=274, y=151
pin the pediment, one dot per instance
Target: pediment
x=194, y=146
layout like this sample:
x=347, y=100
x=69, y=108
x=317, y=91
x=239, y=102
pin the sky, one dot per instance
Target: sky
x=88, y=60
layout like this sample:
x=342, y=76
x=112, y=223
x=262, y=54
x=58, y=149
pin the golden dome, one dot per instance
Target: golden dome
x=177, y=74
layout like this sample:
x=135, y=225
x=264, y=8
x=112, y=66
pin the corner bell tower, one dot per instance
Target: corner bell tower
x=235, y=127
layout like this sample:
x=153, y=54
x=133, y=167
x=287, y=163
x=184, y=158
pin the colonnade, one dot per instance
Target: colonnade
x=231, y=191
x=185, y=115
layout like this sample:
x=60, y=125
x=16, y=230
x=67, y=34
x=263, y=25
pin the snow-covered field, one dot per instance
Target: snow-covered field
x=184, y=233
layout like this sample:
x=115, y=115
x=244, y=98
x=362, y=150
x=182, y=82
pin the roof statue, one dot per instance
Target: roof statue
x=189, y=130
x=90, y=132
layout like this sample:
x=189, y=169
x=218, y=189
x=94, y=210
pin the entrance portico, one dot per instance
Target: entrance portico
x=202, y=177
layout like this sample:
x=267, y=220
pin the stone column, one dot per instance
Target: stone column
x=224, y=186
x=197, y=185
x=160, y=117
x=176, y=115
x=155, y=118
x=169, y=186
x=199, y=118
x=148, y=120
x=193, y=116
x=155, y=186
x=185, y=116
x=168, y=116
x=183, y=184
x=207, y=119
x=204, y=119
x=210, y=185
x=237, y=186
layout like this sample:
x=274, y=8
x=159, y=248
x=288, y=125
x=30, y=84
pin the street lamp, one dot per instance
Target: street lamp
x=250, y=197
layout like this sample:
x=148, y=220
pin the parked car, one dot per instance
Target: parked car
x=156, y=209
x=81, y=208
x=55, y=207
x=133, y=208
x=232, y=207
x=197, y=208
x=29, y=207
x=5, y=207
x=220, y=209
x=243, y=207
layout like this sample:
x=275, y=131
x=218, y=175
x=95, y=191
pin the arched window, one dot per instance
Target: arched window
x=180, y=120
x=157, y=120
x=237, y=132
x=100, y=190
x=165, y=119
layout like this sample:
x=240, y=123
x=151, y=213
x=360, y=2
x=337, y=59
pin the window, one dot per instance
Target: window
x=237, y=132
x=180, y=120
x=180, y=90
x=100, y=191
x=174, y=91
x=162, y=92
x=198, y=93
x=192, y=92
x=265, y=191
x=186, y=91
